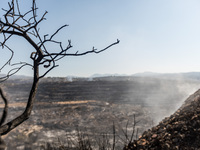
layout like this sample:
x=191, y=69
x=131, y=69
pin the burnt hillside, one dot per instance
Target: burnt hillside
x=179, y=131
x=61, y=106
x=161, y=96
x=142, y=90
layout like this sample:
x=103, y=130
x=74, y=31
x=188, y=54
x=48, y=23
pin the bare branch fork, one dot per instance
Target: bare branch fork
x=15, y=23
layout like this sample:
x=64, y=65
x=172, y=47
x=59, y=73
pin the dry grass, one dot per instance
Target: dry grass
x=82, y=140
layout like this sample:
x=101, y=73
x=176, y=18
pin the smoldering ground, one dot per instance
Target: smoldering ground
x=116, y=99
x=163, y=95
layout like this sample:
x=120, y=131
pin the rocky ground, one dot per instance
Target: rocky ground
x=63, y=121
x=180, y=131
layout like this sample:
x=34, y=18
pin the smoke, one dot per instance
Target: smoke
x=163, y=96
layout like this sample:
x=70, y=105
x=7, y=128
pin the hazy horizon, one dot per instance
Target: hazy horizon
x=146, y=73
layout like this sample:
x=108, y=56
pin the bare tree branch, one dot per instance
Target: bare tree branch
x=9, y=60
x=16, y=23
x=84, y=53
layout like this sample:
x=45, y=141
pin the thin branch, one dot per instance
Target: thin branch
x=58, y=31
x=9, y=60
x=84, y=53
x=114, y=136
x=6, y=39
x=18, y=7
x=48, y=71
x=50, y=39
x=12, y=72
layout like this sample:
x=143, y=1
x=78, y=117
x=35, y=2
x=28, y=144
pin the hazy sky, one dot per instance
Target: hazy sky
x=155, y=35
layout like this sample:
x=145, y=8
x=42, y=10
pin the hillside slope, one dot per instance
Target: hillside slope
x=179, y=131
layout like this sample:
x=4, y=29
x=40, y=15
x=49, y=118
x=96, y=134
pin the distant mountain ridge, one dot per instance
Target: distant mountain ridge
x=188, y=75
x=106, y=75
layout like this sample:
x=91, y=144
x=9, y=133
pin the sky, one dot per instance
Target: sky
x=160, y=36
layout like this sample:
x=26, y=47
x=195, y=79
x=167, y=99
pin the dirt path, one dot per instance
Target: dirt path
x=23, y=104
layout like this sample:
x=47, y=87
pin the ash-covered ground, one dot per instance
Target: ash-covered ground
x=63, y=107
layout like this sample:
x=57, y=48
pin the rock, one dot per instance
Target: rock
x=154, y=136
x=142, y=142
x=175, y=140
x=166, y=146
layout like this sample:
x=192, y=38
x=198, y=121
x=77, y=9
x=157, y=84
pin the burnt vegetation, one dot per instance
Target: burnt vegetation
x=87, y=110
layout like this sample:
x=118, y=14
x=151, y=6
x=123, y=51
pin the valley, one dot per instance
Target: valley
x=64, y=107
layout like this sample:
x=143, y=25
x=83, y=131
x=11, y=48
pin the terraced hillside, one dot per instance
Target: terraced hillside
x=136, y=90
